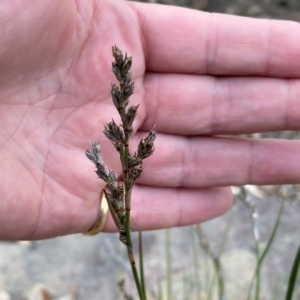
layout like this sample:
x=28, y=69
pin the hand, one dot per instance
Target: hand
x=196, y=75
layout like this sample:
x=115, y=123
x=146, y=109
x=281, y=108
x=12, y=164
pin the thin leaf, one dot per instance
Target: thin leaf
x=293, y=276
x=195, y=253
x=265, y=252
x=142, y=277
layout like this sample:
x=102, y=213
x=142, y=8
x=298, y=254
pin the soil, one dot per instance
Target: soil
x=79, y=267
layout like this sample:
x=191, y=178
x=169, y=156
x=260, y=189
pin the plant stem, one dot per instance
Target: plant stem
x=265, y=252
x=142, y=264
x=293, y=276
x=135, y=273
x=196, y=266
x=130, y=248
x=215, y=260
x=128, y=190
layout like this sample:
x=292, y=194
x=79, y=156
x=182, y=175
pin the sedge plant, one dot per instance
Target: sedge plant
x=118, y=193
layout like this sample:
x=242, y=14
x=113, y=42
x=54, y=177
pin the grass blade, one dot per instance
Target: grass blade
x=159, y=291
x=293, y=276
x=141, y=258
x=195, y=254
x=215, y=260
x=264, y=253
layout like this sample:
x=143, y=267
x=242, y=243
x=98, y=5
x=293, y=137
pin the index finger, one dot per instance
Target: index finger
x=182, y=40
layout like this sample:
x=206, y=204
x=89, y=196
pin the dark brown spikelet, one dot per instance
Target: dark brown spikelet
x=146, y=146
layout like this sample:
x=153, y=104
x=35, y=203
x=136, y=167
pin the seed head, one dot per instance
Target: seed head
x=113, y=132
x=146, y=146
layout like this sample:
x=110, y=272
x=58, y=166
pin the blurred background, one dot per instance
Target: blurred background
x=218, y=255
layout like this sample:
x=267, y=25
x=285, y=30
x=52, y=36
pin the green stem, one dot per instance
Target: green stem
x=128, y=190
x=293, y=276
x=130, y=251
x=127, y=218
x=258, y=273
x=196, y=266
x=265, y=252
x=142, y=276
x=215, y=260
x=135, y=273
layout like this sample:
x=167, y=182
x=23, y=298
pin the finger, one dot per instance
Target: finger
x=157, y=208
x=189, y=41
x=189, y=104
x=204, y=162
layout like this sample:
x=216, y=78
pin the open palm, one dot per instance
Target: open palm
x=55, y=97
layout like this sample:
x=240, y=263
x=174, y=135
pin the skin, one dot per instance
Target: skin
x=197, y=76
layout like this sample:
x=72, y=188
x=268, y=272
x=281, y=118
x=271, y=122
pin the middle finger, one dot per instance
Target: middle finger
x=193, y=105
x=219, y=161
